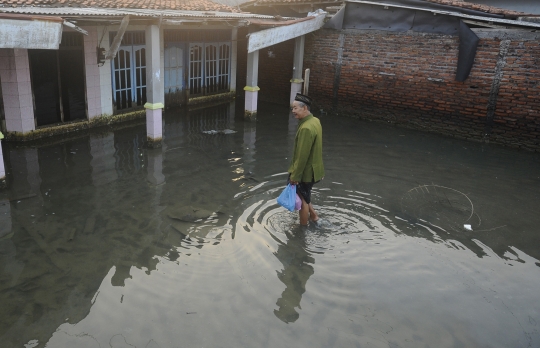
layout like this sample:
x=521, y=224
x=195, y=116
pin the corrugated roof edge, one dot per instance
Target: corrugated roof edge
x=86, y=11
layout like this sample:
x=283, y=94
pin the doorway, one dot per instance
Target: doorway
x=58, y=82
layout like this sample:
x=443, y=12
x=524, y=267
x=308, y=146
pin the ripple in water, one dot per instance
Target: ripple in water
x=342, y=212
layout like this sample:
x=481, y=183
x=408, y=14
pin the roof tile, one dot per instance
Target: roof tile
x=187, y=5
x=477, y=7
x=454, y=3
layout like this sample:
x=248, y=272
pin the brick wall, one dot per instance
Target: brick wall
x=517, y=117
x=409, y=79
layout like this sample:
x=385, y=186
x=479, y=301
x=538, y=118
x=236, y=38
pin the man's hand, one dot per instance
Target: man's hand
x=293, y=182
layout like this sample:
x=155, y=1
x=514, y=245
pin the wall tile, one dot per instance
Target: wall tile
x=12, y=113
x=28, y=125
x=12, y=102
x=10, y=89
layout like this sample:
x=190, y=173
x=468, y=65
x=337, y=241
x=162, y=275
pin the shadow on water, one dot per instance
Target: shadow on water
x=297, y=269
x=423, y=240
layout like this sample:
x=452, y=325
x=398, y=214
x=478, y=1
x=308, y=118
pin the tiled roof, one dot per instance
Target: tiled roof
x=477, y=7
x=187, y=5
x=454, y=3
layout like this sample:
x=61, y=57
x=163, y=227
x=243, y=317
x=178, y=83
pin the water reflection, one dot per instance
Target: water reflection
x=106, y=242
x=103, y=161
x=25, y=181
x=297, y=268
x=5, y=218
x=73, y=217
x=249, y=150
x=155, y=166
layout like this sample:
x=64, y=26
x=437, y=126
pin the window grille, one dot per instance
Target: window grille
x=122, y=79
x=130, y=38
x=140, y=76
x=211, y=68
x=129, y=82
x=208, y=61
x=196, y=69
x=224, y=67
x=173, y=69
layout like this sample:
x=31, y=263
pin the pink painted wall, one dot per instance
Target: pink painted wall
x=93, y=85
x=17, y=90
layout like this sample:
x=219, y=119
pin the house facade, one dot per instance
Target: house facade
x=45, y=89
x=65, y=69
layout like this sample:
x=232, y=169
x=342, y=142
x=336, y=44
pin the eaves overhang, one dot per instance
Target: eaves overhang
x=30, y=31
x=71, y=12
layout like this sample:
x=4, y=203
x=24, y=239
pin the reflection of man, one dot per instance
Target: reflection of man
x=307, y=165
x=297, y=268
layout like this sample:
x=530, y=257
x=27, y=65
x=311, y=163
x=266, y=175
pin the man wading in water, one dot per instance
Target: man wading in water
x=306, y=166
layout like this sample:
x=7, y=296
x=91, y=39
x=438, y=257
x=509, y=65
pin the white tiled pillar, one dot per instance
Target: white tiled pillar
x=17, y=90
x=91, y=70
x=234, y=59
x=105, y=77
x=296, y=81
x=252, y=90
x=154, y=86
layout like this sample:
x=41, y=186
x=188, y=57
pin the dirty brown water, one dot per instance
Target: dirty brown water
x=425, y=241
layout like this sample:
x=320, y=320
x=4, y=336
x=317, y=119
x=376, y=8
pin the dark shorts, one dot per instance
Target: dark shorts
x=304, y=189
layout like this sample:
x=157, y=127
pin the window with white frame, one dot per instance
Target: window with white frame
x=129, y=72
x=209, y=68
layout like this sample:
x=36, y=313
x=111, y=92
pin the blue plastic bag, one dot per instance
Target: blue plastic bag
x=287, y=198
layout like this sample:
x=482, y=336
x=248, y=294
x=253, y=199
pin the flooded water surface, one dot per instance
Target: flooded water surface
x=424, y=241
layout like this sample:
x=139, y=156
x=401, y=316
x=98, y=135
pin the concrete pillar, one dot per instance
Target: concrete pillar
x=91, y=70
x=296, y=81
x=251, y=88
x=17, y=90
x=234, y=59
x=154, y=87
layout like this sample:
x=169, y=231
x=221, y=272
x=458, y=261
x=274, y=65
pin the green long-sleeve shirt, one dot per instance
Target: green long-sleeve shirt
x=307, y=163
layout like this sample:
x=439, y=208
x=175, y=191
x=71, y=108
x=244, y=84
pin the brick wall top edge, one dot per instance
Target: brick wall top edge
x=498, y=34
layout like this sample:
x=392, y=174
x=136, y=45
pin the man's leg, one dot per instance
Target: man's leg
x=312, y=213
x=304, y=212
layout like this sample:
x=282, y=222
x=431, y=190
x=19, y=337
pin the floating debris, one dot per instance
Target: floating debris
x=224, y=131
x=189, y=214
